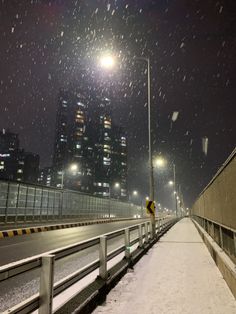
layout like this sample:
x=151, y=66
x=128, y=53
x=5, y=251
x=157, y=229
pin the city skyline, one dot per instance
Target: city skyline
x=192, y=73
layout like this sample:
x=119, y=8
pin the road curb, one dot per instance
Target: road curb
x=29, y=230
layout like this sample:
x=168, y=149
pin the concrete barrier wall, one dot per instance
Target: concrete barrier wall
x=217, y=202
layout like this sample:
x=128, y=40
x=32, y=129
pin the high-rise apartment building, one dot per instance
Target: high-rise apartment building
x=87, y=139
x=15, y=163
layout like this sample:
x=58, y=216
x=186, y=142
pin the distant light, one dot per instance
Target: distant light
x=107, y=61
x=175, y=116
x=205, y=145
x=135, y=193
x=171, y=182
x=73, y=167
x=159, y=162
x=117, y=185
x=147, y=198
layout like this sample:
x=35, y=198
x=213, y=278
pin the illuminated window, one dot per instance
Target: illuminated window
x=107, y=123
x=80, y=104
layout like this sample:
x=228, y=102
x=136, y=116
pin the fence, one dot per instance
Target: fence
x=224, y=236
x=215, y=211
x=48, y=289
x=25, y=202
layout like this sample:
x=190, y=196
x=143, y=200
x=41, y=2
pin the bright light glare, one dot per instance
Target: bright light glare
x=135, y=193
x=117, y=185
x=107, y=62
x=159, y=162
x=171, y=182
x=73, y=167
x=147, y=198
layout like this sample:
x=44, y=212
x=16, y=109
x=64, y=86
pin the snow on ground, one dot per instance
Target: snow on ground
x=177, y=276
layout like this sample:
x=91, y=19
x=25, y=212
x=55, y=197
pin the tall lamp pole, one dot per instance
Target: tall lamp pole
x=151, y=177
x=108, y=62
x=176, y=204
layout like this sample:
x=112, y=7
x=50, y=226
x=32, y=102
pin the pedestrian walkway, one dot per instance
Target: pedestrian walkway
x=177, y=276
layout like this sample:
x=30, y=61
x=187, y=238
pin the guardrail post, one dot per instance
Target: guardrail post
x=46, y=285
x=156, y=227
x=140, y=235
x=221, y=237
x=146, y=231
x=160, y=224
x=127, y=243
x=151, y=231
x=235, y=243
x=103, y=257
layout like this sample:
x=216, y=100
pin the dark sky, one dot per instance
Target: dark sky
x=46, y=45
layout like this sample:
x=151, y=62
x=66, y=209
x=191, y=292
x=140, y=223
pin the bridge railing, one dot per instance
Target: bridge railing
x=215, y=210
x=20, y=202
x=48, y=289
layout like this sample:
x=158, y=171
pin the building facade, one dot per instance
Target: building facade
x=87, y=138
x=15, y=163
x=45, y=176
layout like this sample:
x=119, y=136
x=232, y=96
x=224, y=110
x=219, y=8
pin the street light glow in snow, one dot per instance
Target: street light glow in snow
x=159, y=162
x=107, y=61
x=73, y=167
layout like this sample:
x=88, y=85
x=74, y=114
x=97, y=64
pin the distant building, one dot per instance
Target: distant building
x=15, y=163
x=45, y=176
x=87, y=137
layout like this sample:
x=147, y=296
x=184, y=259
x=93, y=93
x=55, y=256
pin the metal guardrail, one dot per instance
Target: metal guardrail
x=47, y=290
x=224, y=236
x=21, y=202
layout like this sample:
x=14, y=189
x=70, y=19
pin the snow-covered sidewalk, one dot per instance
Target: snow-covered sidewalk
x=177, y=276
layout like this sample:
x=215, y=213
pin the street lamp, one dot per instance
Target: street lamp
x=107, y=61
x=159, y=162
x=117, y=185
x=72, y=168
x=135, y=193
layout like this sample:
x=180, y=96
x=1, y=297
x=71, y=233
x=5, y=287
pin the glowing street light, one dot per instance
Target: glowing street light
x=72, y=168
x=107, y=61
x=171, y=182
x=135, y=193
x=117, y=185
x=159, y=162
x=147, y=198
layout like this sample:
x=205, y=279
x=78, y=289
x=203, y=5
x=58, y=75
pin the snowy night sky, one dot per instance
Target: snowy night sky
x=46, y=45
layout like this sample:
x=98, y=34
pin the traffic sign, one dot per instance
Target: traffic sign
x=150, y=206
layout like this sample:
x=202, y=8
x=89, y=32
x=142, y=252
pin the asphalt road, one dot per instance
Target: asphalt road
x=19, y=247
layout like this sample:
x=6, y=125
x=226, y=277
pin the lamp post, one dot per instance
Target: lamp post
x=72, y=168
x=107, y=61
x=176, y=204
x=151, y=177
